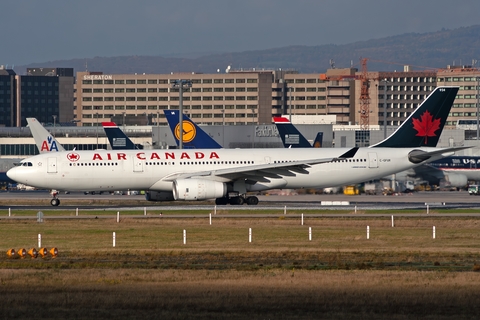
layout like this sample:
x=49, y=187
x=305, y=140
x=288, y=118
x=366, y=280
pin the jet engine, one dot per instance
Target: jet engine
x=197, y=189
x=456, y=179
x=159, y=196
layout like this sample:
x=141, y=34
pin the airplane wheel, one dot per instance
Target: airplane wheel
x=55, y=202
x=221, y=201
x=252, y=201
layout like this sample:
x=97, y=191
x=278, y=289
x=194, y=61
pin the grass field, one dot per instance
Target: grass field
x=399, y=273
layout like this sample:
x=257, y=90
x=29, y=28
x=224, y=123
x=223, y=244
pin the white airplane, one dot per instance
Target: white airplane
x=228, y=174
x=43, y=139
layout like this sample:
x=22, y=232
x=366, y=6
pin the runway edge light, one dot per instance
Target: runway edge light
x=43, y=252
x=54, y=252
x=33, y=253
x=22, y=253
x=11, y=253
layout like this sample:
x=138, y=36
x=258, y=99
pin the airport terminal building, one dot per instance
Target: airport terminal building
x=234, y=107
x=236, y=97
x=242, y=97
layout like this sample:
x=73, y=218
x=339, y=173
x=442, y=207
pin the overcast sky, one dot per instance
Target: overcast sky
x=46, y=30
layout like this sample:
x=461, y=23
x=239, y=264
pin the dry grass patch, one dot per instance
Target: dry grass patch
x=207, y=294
x=400, y=273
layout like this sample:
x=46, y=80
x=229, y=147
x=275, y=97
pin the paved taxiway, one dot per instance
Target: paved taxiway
x=417, y=200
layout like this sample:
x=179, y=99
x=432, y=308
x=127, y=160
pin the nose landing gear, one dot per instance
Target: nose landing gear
x=55, y=201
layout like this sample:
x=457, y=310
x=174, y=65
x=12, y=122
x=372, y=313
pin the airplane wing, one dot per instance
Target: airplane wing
x=429, y=173
x=261, y=172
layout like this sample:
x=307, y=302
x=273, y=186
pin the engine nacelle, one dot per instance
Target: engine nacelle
x=456, y=179
x=159, y=196
x=197, y=189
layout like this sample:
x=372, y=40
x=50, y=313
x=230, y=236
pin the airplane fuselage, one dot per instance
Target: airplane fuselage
x=106, y=170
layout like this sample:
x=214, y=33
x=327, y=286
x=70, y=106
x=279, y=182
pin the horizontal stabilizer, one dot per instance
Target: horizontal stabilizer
x=418, y=156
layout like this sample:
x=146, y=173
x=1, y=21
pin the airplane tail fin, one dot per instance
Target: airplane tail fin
x=291, y=137
x=43, y=139
x=117, y=138
x=318, y=140
x=424, y=126
x=193, y=136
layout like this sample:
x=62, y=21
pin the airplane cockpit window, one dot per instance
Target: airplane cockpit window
x=24, y=164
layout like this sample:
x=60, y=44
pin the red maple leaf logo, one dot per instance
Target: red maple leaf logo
x=73, y=156
x=426, y=125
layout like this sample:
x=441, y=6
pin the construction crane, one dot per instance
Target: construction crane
x=364, y=97
x=365, y=79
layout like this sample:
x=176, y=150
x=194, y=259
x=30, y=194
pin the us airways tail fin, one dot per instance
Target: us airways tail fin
x=424, y=126
x=193, y=136
x=291, y=137
x=117, y=138
x=43, y=139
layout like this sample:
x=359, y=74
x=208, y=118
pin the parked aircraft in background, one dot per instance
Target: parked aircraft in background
x=292, y=138
x=117, y=138
x=454, y=171
x=228, y=174
x=43, y=139
x=193, y=136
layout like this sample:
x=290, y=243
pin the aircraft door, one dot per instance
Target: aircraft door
x=52, y=165
x=137, y=165
x=372, y=160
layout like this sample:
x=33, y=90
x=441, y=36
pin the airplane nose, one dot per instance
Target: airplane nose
x=13, y=174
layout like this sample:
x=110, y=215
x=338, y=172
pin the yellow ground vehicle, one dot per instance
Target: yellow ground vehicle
x=351, y=190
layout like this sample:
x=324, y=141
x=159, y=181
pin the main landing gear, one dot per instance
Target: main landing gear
x=237, y=201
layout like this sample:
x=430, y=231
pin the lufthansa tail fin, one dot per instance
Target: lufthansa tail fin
x=424, y=126
x=193, y=136
x=291, y=137
x=318, y=140
x=117, y=138
x=43, y=139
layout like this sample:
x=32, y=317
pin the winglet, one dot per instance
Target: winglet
x=349, y=154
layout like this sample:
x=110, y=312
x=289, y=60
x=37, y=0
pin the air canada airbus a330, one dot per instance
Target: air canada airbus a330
x=228, y=174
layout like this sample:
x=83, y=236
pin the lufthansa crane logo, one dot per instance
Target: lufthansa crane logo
x=189, y=131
